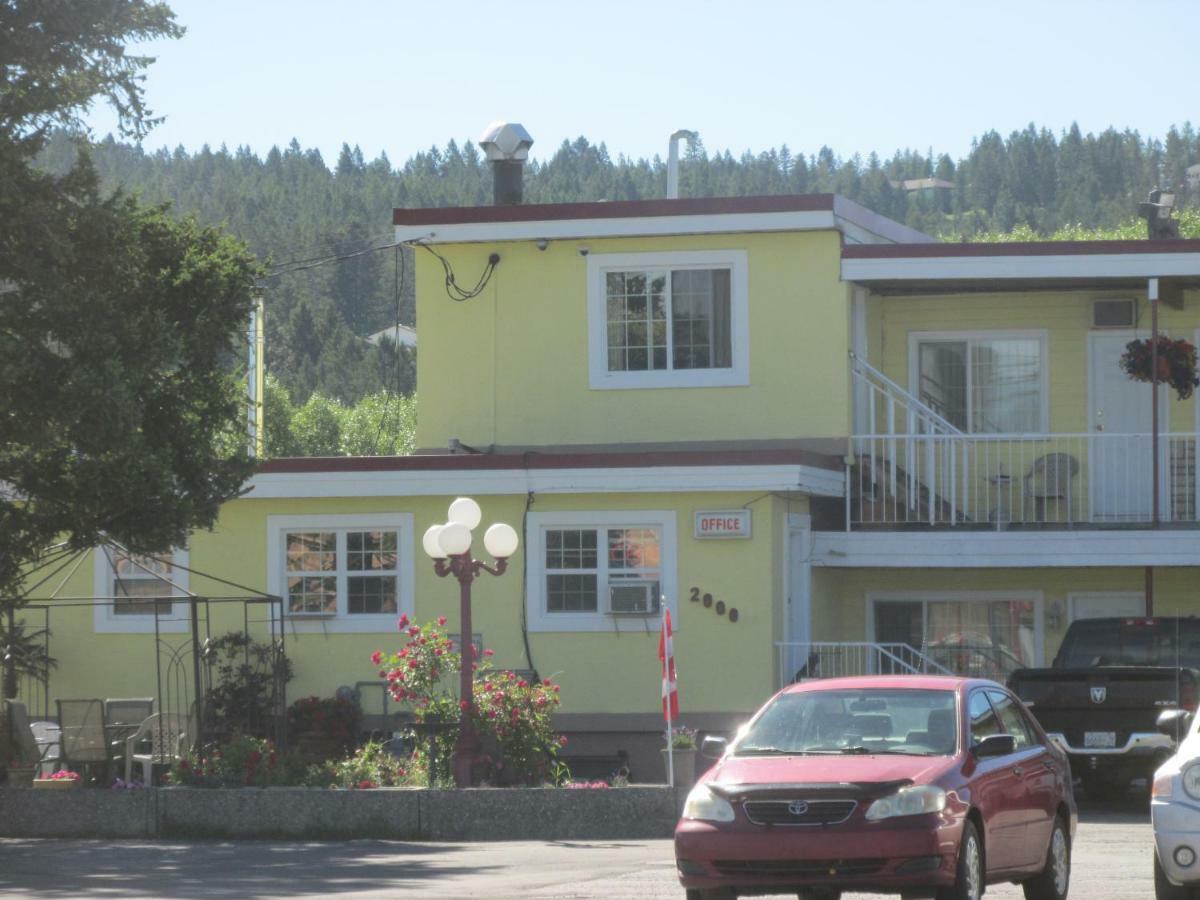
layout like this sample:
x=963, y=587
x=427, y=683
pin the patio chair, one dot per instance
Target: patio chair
x=128, y=711
x=84, y=742
x=1050, y=478
x=28, y=750
x=169, y=735
x=49, y=741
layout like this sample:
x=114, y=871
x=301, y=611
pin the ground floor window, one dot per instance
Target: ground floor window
x=986, y=635
x=138, y=589
x=592, y=570
x=342, y=572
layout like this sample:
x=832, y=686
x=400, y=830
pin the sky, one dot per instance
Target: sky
x=859, y=77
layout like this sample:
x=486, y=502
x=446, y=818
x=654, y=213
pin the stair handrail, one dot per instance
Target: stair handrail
x=935, y=420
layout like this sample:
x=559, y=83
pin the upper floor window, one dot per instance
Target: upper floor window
x=983, y=383
x=342, y=572
x=137, y=589
x=668, y=319
x=594, y=571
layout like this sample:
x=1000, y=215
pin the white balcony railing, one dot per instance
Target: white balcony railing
x=999, y=480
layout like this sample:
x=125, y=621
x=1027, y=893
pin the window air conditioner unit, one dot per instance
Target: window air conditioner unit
x=633, y=598
x=1113, y=314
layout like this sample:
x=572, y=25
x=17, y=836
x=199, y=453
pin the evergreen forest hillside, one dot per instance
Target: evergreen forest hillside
x=300, y=212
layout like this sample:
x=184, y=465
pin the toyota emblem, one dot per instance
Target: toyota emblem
x=797, y=807
x=1099, y=694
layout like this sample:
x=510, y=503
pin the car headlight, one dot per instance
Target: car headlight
x=908, y=801
x=706, y=806
x=1190, y=779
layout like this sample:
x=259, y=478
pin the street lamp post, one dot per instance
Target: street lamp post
x=449, y=546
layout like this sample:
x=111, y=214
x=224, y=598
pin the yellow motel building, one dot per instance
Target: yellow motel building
x=826, y=442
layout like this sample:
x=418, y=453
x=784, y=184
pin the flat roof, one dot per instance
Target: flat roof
x=443, y=462
x=621, y=218
x=1028, y=265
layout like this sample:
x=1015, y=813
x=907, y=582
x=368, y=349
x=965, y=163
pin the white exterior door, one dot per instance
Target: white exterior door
x=1119, y=461
x=1103, y=606
x=799, y=589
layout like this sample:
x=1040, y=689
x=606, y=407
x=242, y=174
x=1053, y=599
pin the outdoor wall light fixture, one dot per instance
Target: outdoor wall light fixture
x=449, y=546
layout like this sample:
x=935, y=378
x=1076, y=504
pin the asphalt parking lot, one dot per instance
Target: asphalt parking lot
x=1112, y=861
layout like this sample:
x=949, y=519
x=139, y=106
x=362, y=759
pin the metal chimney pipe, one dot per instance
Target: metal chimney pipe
x=673, y=161
x=507, y=147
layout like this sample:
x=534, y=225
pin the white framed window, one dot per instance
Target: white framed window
x=676, y=319
x=349, y=573
x=600, y=571
x=985, y=382
x=138, y=589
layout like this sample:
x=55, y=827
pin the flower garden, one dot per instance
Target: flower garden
x=323, y=784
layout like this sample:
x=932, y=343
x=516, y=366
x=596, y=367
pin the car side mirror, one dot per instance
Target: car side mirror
x=713, y=747
x=1174, y=723
x=995, y=745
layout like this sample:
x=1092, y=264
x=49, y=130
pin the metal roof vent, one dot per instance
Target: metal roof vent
x=507, y=146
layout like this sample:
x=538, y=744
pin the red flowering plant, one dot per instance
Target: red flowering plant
x=330, y=718
x=518, y=716
x=243, y=762
x=513, y=717
x=1176, y=363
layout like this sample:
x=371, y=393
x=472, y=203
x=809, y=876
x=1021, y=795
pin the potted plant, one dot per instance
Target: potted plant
x=1176, y=363
x=683, y=748
x=63, y=780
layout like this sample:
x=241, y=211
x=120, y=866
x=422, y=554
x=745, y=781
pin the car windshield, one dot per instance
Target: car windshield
x=868, y=720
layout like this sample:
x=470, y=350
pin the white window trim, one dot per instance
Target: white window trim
x=540, y=620
x=1040, y=335
x=106, y=621
x=598, y=264
x=917, y=596
x=342, y=622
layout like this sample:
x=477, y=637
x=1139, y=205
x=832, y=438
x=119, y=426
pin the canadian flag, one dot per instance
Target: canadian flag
x=666, y=654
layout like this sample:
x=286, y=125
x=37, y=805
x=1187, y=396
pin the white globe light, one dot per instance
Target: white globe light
x=501, y=540
x=430, y=542
x=454, y=538
x=465, y=511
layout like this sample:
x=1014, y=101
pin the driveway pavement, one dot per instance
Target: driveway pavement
x=1111, y=862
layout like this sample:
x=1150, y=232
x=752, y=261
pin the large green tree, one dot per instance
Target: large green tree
x=120, y=326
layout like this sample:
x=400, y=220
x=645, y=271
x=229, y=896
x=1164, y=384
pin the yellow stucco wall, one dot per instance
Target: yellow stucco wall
x=724, y=667
x=511, y=366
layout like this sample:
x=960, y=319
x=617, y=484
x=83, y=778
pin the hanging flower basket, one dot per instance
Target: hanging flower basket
x=1176, y=363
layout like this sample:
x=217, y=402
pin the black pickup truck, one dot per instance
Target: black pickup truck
x=1102, y=696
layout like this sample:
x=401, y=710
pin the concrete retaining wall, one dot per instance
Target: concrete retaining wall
x=397, y=814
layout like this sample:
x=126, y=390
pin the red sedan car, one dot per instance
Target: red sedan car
x=924, y=786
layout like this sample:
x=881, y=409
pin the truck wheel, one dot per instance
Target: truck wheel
x=1054, y=880
x=1164, y=890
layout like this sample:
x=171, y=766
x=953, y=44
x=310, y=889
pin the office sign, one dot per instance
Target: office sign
x=722, y=523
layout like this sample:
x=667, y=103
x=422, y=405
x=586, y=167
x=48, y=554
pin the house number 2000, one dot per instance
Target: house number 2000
x=718, y=606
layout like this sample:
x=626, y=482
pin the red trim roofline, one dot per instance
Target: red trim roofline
x=1026, y=248
x=484, y=461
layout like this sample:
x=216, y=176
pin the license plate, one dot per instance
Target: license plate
x=1099, y=739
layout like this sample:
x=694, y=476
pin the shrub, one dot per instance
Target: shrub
x=371, y=766
x=332, y=718
x=246, y=683
x=512, y=716
x=245, y=761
